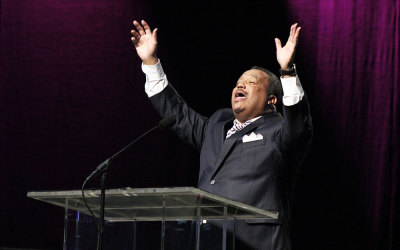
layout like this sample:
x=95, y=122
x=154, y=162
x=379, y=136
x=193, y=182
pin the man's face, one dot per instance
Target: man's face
x=250, y=95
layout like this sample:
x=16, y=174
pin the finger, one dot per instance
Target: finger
x=139, y=28
x=135, y=35
x=278, y=43
x=292, y=32
x=296, y=35
x=155, y=34
x=146, y=27
x=136, y=23
x=134, y=41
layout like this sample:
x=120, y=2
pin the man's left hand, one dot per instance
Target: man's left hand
x=285, y=54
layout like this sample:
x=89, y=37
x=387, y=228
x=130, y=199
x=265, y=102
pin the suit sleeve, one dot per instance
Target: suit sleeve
x=189, y=126
x=294, y=136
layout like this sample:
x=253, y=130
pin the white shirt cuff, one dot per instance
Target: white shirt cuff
x=292, y=91
x=156, y=80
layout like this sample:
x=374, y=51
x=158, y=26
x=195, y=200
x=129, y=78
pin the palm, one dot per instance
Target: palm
x=285, y=54
x=145, y=42
x=146, y=46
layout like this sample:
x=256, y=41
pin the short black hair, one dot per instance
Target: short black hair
x=275, y=86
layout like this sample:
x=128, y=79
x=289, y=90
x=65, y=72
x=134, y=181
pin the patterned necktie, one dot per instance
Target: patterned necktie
x=237, y=126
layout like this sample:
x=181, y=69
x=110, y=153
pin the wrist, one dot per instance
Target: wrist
x=286, y=66
x=150, y=61
x=288, y=71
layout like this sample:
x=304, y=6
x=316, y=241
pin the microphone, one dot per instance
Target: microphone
x=101, y=169
x=165, y=123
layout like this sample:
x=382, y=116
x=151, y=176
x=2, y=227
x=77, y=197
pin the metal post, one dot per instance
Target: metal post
x=65, y=225
x=198, y=225
x=101, y=217
x=134, y=234
x=224, y=228
x=163, y=224
x=233, y=234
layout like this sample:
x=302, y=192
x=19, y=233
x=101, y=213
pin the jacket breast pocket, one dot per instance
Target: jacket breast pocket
x=251, y=144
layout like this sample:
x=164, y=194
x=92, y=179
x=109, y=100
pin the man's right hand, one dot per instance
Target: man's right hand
x=145, y=42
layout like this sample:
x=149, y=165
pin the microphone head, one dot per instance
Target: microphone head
x=167, y=122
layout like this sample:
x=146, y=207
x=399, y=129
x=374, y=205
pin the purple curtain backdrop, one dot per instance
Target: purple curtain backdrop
x=353, y=50
x=71, y=94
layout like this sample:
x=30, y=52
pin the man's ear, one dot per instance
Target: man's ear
x=272, y=100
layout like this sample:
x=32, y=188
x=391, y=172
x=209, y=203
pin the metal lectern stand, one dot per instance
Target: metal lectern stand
x=155, y=204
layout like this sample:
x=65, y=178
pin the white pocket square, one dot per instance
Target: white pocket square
x=252, y=137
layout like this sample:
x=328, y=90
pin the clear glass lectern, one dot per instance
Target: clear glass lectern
x=134, y=205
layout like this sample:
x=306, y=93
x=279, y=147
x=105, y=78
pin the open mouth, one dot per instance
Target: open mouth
x=240, y=95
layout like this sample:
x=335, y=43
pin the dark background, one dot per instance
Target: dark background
x=72, y=94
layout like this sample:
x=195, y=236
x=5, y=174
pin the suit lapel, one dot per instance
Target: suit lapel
x=229, y=142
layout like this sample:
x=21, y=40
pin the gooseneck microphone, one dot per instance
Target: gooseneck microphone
x=165, y=123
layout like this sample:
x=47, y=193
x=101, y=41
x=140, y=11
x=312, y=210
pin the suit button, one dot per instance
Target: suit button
x=212, y=182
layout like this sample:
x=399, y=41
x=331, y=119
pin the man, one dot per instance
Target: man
x=249, y=153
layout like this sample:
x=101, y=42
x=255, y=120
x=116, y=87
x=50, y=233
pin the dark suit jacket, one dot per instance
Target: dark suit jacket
x=261, y=173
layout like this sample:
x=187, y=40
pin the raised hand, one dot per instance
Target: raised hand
x=285, y=55
x=145, y=42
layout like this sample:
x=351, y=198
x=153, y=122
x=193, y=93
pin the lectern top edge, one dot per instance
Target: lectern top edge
x=123, y=198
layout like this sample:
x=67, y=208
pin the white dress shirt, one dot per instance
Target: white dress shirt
x=156, y=81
